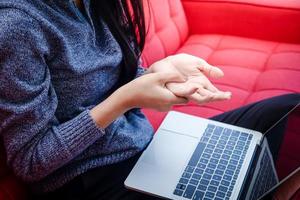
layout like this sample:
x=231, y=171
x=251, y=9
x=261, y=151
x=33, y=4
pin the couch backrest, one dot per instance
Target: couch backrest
x=167, y=29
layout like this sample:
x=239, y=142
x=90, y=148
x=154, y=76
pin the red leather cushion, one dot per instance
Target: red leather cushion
x=251, y=67
x=276, y=20
x=166, y=29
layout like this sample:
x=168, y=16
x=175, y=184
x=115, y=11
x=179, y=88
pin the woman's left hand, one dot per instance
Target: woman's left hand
x=196, y=70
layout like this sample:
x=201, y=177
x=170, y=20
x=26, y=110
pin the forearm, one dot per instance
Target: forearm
x=111, y=108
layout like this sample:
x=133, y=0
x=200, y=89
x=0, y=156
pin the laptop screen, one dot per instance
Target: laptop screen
x=285, y=148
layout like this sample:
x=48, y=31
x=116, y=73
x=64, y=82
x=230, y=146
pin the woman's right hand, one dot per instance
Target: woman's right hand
x=147, y=91
x=150, y=91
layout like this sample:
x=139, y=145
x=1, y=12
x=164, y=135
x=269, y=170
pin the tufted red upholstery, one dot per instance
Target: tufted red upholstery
x=256, y=44
x=219, y=31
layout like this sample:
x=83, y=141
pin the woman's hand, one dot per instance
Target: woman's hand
x=195, y=70
x=148, y=91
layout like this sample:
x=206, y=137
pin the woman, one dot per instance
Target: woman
x=71, y=90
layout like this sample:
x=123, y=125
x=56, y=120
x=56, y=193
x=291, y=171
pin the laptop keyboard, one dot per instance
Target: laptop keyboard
x=215, y=164
x=265, y=178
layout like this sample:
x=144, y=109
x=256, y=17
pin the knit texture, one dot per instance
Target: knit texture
x=56, y=63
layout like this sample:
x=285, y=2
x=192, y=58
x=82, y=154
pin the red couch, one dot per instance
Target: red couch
x=255, y=42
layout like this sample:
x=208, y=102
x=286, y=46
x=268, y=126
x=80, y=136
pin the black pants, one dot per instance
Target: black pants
x=108, y=182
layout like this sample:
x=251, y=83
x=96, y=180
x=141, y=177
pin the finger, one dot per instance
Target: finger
x=197, y=98
x=209, y=70
x=217, y=96
x=211, y=87
x=179, y=100
x=171, y=77
x=182, y=89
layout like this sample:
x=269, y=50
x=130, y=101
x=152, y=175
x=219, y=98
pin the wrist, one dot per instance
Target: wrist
x=110, y=109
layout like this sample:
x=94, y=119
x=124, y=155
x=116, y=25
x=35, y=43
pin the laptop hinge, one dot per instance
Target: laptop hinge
x=250, y=172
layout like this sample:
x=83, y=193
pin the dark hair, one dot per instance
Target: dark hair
x=125, y=18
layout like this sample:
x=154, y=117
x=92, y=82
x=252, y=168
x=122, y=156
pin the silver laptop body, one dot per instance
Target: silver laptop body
x=162, y=166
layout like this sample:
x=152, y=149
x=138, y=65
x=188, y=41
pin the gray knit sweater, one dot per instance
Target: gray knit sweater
x=55, y=64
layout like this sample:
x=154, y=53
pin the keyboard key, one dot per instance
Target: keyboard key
x=237, y=152
x=210, y=146
x=218, y=130
x=220, y=146
x=205, y=155
x=225, y=156
x=183, y=181
x=204, y=139
x=202, y=187
x=227, y=177
x=228, y=152
x=227, y=132
x=226, y=183
x=186, y=175
x=215, y=155
x=233, y=162
x=194, y=182
x=235, y=133
x=241, y=143
x=189, y=191
x=212, y=188
x=219, y=172
x=221, y=167
x=223, y=162
x=211, y=165
x=220, y=194
x=201, y=166
x=198, y=195
x=232, y=143
x=214, y=161
x=209, y=151
x=207, y=176
x=189, y=169
x=209, y=195
x=223, y=142
x=218, y=150
x=232, y=138
x=213, y=142
x=222, y=188
x=244, y=134
x=209, y=171
x=203, y=160
x=229, y=147
x=204, y=182
x=214, y=137
x=178, y=192
x=239, y=147
x=197, y=154
x=180, y=186
x=199, y=171
x=243, y=138
x=224, y=137
x=229, y=172
x=214, y=183
x=217, y=178
x=196, y=176
x=236, y=157
x=231, y=167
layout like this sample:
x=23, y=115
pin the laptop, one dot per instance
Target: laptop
x=196, y=158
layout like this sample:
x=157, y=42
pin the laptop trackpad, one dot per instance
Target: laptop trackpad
x=162, y=163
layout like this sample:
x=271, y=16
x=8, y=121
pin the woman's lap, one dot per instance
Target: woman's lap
x=108, y=182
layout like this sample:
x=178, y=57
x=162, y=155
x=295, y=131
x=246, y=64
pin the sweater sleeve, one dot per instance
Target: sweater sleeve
x=36, y=142
x=140, y=69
